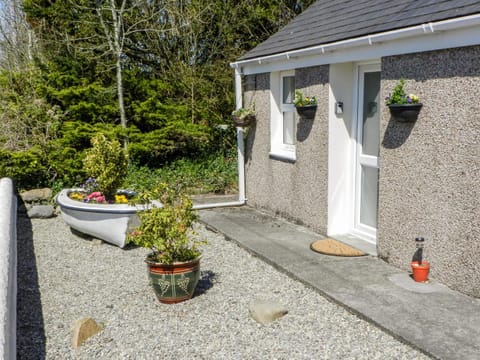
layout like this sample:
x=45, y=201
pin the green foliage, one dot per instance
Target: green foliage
x=107, y=163
x=26, y=118
x=175, y=140
x=243, y=112
x=86, y=102
x=216, y=173
x=301, y=100
x=399, y=96
x=177, y=84
x=167, y=230
x=24, y=167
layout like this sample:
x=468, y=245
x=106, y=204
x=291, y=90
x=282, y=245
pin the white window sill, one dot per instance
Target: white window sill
x=283, y=155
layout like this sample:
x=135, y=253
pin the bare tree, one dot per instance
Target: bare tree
x=16, y=37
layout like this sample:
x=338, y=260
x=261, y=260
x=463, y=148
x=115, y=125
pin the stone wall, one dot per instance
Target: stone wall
x=430, y=169
x=295, y=190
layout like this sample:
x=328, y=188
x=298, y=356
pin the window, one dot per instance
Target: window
x=283, y=124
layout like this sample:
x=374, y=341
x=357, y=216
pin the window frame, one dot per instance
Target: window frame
x=279, y=149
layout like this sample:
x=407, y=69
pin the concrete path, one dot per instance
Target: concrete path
x=442, y=323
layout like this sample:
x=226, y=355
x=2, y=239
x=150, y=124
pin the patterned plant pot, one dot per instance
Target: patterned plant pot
x=176, y=282
x=307, y=112
x=405, y=112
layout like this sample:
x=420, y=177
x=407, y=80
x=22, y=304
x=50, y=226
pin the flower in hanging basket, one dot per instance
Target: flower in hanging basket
x=306, y=105
x=403, y=107
x=244, y=117
x=301, y=101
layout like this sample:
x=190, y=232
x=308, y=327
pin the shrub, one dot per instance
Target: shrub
x=107, y=163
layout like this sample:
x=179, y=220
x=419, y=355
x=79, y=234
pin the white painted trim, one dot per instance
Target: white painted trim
x=463, y=31
x=277, y=148
x=340, y=153
x=238, y=89
x=363, y=231
x=242, y=199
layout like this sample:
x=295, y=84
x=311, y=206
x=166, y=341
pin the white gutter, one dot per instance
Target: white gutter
x=426, y=28
x=240, y=155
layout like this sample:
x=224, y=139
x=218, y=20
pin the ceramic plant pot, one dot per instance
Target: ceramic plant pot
x=420, y=271
x=405, y=112
x=174, y=283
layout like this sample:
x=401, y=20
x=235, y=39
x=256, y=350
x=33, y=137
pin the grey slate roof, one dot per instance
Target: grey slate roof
x=328, y=21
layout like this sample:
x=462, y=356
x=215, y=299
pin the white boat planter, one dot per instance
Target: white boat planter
x=108, y=222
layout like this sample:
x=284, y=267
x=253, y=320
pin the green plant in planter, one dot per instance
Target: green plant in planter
x=167, y=230
x=243, y=112
x=106, y=162
x=244, y=117
x=301, y=100
x=399, y=96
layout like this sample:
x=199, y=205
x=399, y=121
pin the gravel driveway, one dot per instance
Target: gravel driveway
x=64, y=277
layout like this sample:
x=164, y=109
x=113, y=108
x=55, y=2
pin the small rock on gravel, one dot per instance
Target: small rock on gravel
x=266, y=311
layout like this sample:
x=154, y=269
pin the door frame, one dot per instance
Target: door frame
x=362, y=231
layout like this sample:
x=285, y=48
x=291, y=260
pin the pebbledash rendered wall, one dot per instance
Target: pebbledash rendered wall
x=430, y=169
x=429, y=182
x=295, y=190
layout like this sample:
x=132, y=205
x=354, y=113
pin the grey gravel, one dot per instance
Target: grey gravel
x=64, y=277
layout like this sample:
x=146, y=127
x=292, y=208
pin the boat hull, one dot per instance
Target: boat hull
x=108, y=222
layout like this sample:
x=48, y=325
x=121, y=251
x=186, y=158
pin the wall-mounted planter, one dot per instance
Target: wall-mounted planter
x=307, y=112
x=405, y=112
x=244, y=121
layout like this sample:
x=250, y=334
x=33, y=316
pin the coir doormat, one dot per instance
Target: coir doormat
x=334, y=247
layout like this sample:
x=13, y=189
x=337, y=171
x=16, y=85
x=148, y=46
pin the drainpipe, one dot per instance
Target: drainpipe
x=240, y=155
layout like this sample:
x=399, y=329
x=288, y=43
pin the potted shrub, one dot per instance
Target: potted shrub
x=305, y=106
x=244, y=117
x=403, y=107
x=167, y=230
x=97, y=208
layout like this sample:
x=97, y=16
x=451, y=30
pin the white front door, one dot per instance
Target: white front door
x=367, y=151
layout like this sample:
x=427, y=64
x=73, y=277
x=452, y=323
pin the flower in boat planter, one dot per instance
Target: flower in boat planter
x=244, y=116
x=403, y=107
x=301, y=101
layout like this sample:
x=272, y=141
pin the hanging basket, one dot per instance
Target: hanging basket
x=405, y=112
x=307, y=112
x=244, y=121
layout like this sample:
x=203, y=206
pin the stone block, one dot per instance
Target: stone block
x=41, y=212
x=35, y=195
